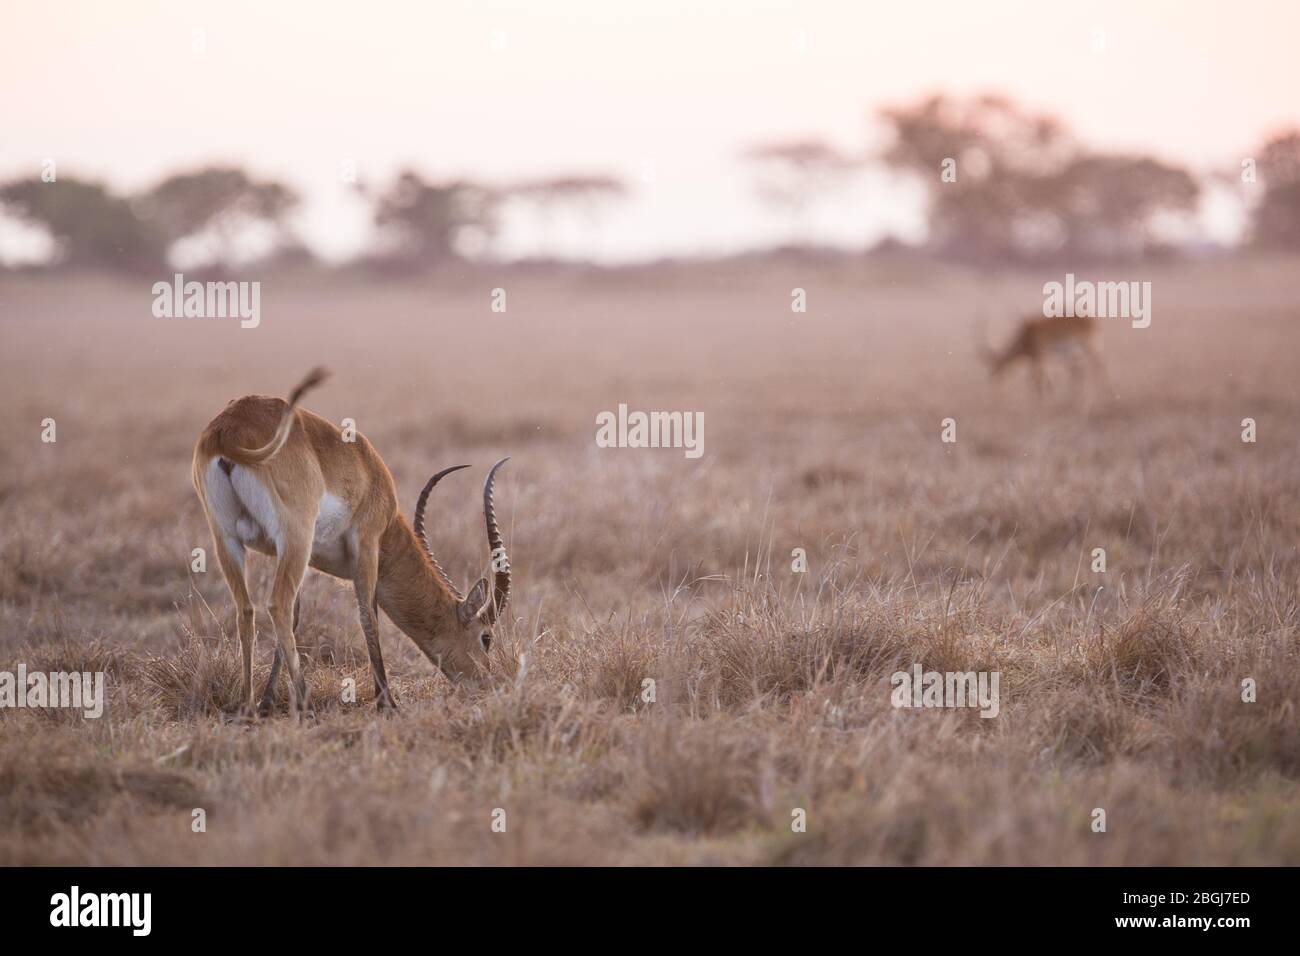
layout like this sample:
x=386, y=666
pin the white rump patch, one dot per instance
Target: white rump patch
x=242, y=509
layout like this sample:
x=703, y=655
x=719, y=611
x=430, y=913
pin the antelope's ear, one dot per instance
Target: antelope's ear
x=473, y=602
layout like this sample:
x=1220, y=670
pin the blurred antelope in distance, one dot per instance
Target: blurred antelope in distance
x=1076, y=340
x=280, y=480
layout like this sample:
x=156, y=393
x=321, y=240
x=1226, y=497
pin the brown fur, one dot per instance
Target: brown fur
x=1038, y=336
x=304, y=457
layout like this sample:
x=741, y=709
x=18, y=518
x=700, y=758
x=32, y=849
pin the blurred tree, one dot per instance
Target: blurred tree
x=1276, y=222
x=586, y=191
x=1005, y=184
x=422, y=224
x=792, y=175
x=1107, y=204
x=981, y=161
x=220, y=205
x=586, y=195
x=90, y=226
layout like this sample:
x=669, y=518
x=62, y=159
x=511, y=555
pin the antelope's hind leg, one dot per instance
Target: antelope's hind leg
x=230, y=558
x=284, y=594
x=232, y=569
x=266, y=703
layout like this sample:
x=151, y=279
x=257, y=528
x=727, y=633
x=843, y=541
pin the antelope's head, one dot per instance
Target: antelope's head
x=461, y=634
x=995, y=359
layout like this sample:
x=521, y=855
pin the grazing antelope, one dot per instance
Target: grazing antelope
x=1076, y=339
x=276, y=478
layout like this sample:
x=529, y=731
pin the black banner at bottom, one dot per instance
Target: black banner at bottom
x=338, y=906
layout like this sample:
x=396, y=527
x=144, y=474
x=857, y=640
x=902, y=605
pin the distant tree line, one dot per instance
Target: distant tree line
x=93, y=227
x=1006, y=185
x=1002, y=185
x=419, y=224
x=1277, y=217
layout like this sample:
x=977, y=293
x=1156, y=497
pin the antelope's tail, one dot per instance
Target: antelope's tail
x=256, y=456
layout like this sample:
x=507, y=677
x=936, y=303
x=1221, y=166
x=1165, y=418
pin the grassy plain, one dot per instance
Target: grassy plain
x=1119, y=690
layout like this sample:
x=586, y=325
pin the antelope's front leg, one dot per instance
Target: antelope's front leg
x=365, y=585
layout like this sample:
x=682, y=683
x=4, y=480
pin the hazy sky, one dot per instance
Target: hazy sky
x=664, y=93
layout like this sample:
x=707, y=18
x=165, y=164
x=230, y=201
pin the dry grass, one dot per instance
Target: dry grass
x=771, y=689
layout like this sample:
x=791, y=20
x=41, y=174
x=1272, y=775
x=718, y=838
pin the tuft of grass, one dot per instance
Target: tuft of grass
x=201, y=679
x=695, y=780
x=204, y=678
x=40, y=794
x=1147, y=652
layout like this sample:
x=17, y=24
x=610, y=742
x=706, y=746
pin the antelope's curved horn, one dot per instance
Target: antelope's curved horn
x=418, y=526
x=494, y=605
